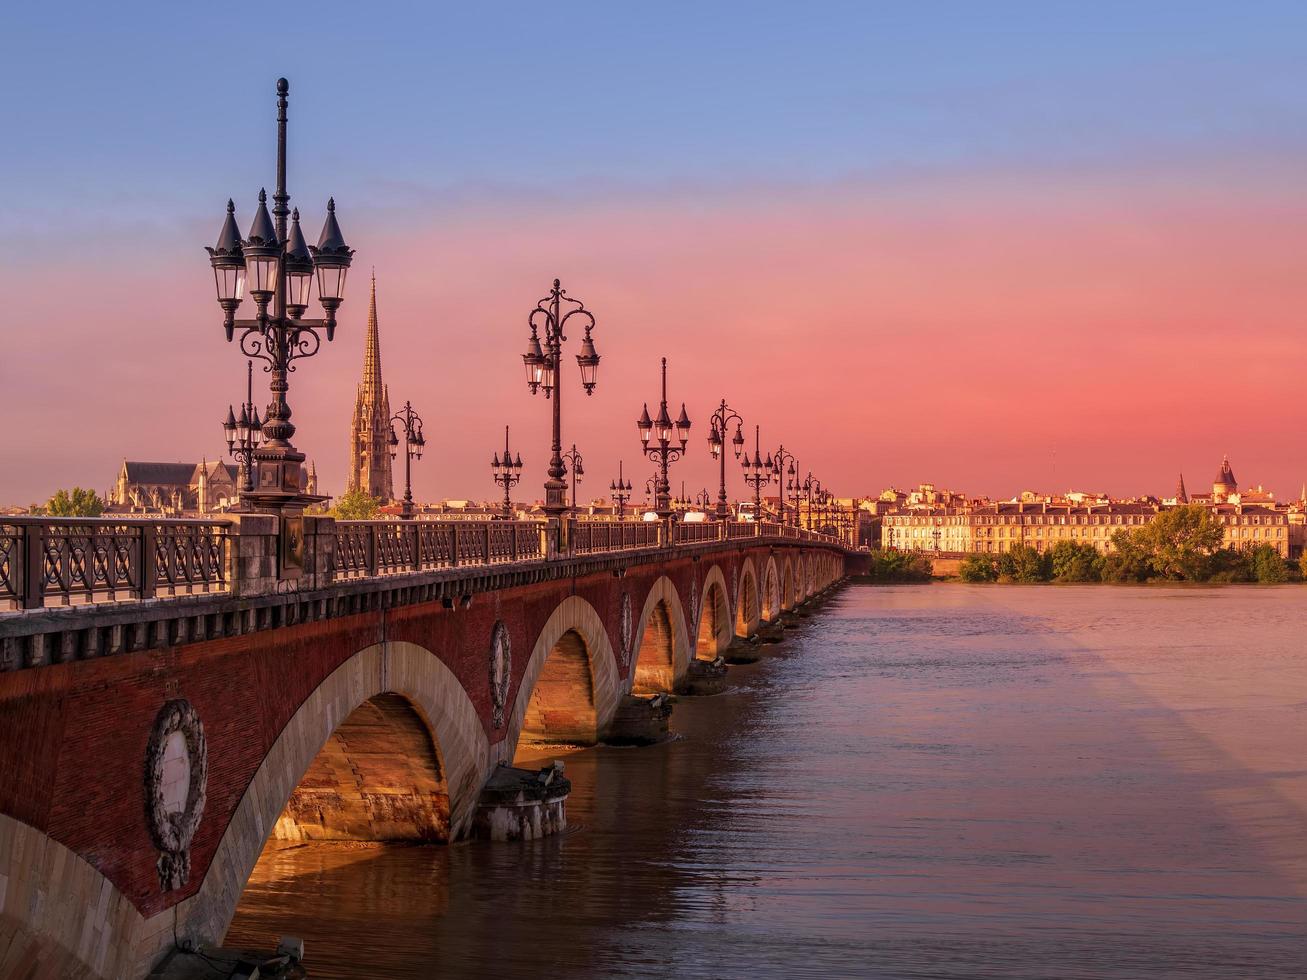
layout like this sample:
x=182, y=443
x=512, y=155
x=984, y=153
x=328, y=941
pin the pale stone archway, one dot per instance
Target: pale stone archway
x=574, y=636
x=714, y=631
x=662, y=652
x=748, y=605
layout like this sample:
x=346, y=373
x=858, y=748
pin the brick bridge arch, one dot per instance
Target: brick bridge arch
x=662, y=644
x=579, y=693
x=714, y=630
x=748, y=601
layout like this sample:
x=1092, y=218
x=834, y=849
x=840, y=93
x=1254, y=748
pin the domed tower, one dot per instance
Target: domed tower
x=1225, y=484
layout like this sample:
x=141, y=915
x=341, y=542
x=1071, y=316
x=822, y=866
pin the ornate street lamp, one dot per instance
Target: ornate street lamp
x=779, y=460
x=277, y=267
x=243, y=435
x=620, y=491
x=507, y=471
x=413, y=444
x=572, y=465
x=718, y=426
x=544, y=370
x=795, y=487
x=662, y=451
x=757, y=473
x=703, y=500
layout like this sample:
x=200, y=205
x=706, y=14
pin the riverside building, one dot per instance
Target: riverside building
x=981, y=527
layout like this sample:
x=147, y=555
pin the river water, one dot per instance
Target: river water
x=921, y=781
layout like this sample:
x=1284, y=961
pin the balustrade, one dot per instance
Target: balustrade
x=74, y=561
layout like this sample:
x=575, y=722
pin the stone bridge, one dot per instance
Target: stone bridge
x=173, y=695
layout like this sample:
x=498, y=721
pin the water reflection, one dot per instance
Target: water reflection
x=921, y=782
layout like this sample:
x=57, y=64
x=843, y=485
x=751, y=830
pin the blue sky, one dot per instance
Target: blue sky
x=118, y=110
x=720, y=177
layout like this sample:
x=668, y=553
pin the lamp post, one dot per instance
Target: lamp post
x=662, y=451
x=243, y=436
x=795, y=486
x=757, y=473
x=779, y=460
x=620, y=489
x=507, y=472
x=703, y=500
x=572, y=465
x=650, y=490
x=544, y=370
x=413, y=444
x=721, y=420
x=279, y=267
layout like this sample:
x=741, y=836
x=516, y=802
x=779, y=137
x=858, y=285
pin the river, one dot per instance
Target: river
x=921, y=781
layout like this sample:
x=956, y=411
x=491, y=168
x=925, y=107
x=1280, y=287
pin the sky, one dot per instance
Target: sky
x=994, y=246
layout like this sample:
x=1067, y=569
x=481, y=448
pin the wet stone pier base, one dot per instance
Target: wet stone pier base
x=704, y=677
x=522, y=804
x=640, y=720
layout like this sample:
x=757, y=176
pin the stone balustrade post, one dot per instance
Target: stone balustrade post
x=252, y=555
x=319, y=551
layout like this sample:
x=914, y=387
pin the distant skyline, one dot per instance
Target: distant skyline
x=950, y=243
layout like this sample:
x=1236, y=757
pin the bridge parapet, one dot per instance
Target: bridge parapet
x=83, y=589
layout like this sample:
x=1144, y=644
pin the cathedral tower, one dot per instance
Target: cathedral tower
x=369, y=443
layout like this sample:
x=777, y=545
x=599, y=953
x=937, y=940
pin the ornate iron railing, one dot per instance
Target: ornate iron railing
x=70, y=561
x=74, y=561
x=368, y=548
x=596, y=537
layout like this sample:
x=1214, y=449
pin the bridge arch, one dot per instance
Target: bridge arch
x=74, y=922
x=570, y=688
x=771, y=592
x=748, y=604
x=788, y=598
x=663, y=649
x=713, y=632
x=398, y=675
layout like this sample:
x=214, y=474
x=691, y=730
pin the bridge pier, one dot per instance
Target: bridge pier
x=703, y=678
x=522, y=804
x=640, y=720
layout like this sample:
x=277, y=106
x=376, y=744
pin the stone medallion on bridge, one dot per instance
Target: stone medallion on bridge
x=627, y=628
x=501, y=670
x=176, y=778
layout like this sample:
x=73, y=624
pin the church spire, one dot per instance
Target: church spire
x=372, y=350
x=1181, y=496
x=369, y=468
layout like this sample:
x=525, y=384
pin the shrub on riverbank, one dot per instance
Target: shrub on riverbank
x=978, y=568
x=887, y=565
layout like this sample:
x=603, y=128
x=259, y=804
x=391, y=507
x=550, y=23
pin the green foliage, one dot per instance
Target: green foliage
x=77, y=502
x=1180, y=543
x=356, y=505
x=1128, y=561
x=1024, y=564
x=890, y=565
x=978, y=568
x=1072, y=561
x=1267, y=565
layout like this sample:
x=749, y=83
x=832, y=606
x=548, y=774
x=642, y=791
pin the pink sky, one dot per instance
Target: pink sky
x=987, y=334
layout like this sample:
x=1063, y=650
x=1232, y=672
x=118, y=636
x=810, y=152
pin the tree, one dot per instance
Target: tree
x=890, y=565
x=356, y=505
x=1072, y=561
x=978, y=568
x=1267, y=565
x=1023, y=563
x=1181, y=542
x=77, y=502
x=1128, y=561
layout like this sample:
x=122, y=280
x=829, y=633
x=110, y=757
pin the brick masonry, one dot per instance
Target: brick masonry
x=77, y=865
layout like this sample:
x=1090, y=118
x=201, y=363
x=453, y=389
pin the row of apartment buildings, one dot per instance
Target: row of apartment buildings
x=943, y=522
